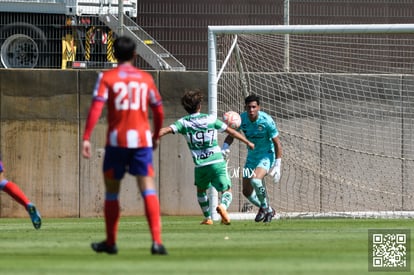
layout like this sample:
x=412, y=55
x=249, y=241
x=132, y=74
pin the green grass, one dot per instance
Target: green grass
x=289, y=246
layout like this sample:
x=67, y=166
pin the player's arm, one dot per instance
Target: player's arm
x=155, y=102
x=225, y=149
x=93, y=116
x=175, y=128
x=158, y=114
x=165, y=131
x=235, y=134
x=227, y=142
x=229, y=139
x=278, y=147
x=275, y=170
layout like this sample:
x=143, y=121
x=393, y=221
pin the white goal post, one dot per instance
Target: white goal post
x=343, y=99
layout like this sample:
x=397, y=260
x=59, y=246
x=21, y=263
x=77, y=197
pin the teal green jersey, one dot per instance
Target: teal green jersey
x=260, y=132
x=200, y=131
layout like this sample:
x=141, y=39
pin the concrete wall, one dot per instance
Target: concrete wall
x=42, y=116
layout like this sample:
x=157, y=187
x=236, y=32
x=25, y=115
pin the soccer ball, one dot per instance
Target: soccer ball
x=232, y=119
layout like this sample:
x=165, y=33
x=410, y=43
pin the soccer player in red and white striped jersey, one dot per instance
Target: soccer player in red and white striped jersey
x=129, y=93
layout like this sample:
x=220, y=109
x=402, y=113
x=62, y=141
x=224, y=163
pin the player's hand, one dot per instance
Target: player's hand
x=225, y=153
x=155, y=143
x=275, y=171
x=251, y=146
x=86, y=149
x=225, y=150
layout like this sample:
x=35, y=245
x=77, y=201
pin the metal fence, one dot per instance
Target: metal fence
x=181, y=25
x=56, y=33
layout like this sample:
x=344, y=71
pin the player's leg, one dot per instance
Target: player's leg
x=146, y=186
x=141, y=166
x=249, y=193
x=267, y=162
x=112, y=209
x=270, y=213
x=114, y=170
x=226, y=198
x=257, y=184
x=202, y=182
x=14, y=191
x=222, y=183
x=266, y=212
x=112, y=216
x=204, y=203
x=262, y=163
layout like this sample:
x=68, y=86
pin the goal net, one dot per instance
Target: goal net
x=343, y=100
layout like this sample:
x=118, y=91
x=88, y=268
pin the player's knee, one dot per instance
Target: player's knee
x=256, y=183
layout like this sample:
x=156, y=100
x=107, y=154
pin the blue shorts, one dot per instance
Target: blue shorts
x=135, y=161
x=264, y=161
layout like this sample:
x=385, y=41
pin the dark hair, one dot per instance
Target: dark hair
x=191, y=101
x=252, y=98
x=124, y=49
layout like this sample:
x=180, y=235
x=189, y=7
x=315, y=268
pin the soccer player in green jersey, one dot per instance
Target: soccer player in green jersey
x=200, y=131
x=265, y=158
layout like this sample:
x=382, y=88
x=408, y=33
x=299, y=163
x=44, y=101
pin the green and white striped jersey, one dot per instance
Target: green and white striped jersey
x=200, y=131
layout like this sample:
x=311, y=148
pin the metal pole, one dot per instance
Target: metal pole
x=212, y=109
x=120, y=17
